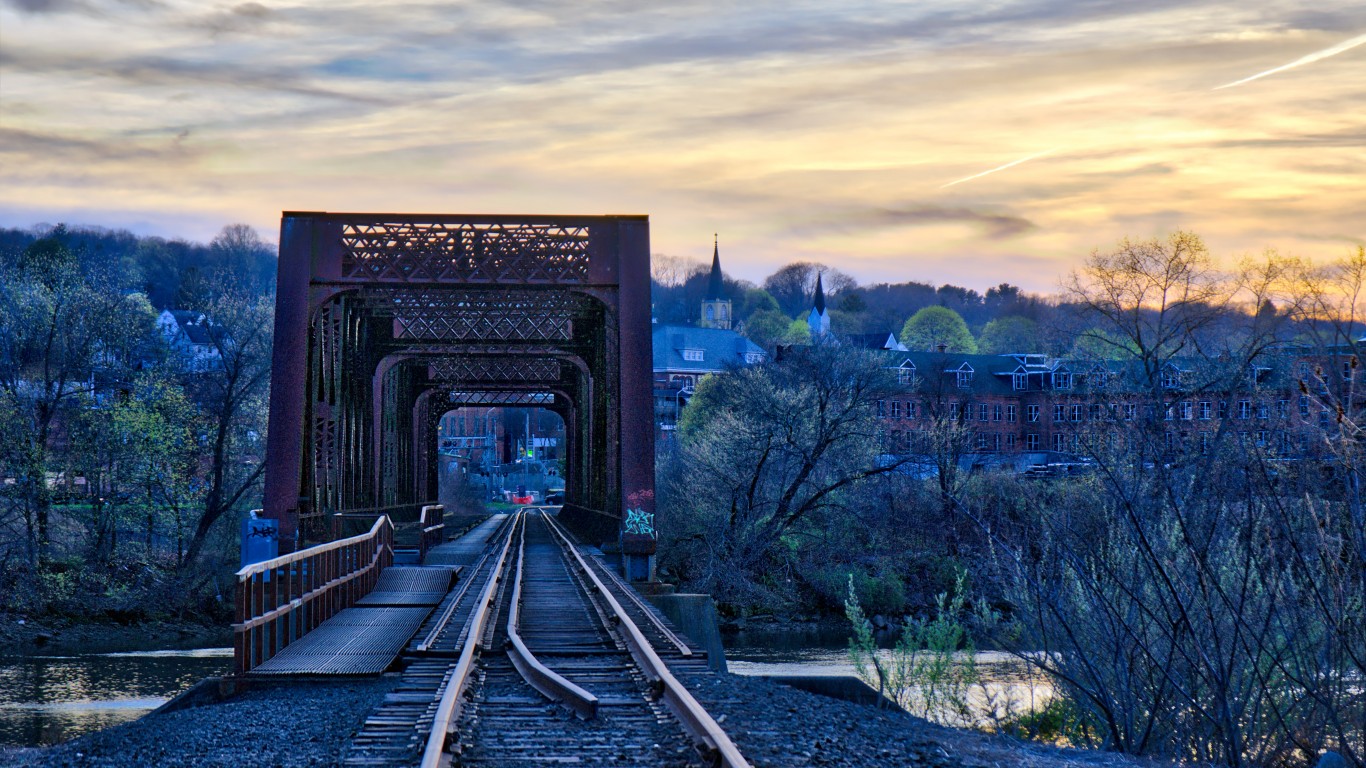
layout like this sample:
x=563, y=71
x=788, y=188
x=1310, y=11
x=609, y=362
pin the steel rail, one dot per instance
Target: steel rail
x=448, y=709
x=649, y=614
x=544, y=679
x=440, y=626
x=693, y=715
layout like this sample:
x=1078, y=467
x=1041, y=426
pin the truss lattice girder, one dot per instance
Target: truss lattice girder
x=517, y=285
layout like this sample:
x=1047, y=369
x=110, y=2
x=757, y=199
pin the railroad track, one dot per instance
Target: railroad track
x=574, y=668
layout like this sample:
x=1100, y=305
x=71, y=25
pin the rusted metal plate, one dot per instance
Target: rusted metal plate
x=357, y=641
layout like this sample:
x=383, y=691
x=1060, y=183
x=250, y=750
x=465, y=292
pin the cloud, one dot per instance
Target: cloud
x=88, y=7
x=167, y=71
x=239, y=18
x=997, y=226
x=76, y=149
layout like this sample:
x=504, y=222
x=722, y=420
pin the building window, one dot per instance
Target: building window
x=711, y=312
x=1019, y=381
x=1324, y=420
x=954, y=411
x=995, y=441
x=694, y=355
x=911, y=407
x=1171, y=378
x=1010, y=413
x=984, y=413
x=1059, y=412
x=1205, y=442
x=1223, y=409
x=905, y=375
x=1282, y=409
x=1076, y=413
x=969, y=412
x=723, y=311
x=881, y=408
x=1010, y=441
x=1206, y=410
x=1031, y=413
x=1304, y=406
x=1244, y=409
x=980, y=441
x=1057, y=442
x=1130, y=411
x=1094, y=411
x=1186, y=412
x=996, y=412
x=964, y=377
x=1263, y=411
x=1062, y=380
x=1031, y=442
x=1263, y=438
x=896, y=409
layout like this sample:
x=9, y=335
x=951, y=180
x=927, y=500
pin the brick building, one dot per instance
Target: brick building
x=1028, y=409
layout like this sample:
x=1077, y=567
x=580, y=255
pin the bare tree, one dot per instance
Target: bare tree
x=233, y=397
x=765, y=450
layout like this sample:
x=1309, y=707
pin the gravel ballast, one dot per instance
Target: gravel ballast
x=273, y=724
x=310, y=723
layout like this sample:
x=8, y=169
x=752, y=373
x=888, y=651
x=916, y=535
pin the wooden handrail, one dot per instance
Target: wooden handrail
x=317, y=549
x=282, y=599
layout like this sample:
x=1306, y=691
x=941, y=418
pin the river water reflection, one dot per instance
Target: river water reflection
x=1006, y=685
x=49, y=699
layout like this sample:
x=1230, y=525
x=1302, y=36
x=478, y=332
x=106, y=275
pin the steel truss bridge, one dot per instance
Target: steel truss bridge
x=386, y=321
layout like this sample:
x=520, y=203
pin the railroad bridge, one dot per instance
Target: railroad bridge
x=384, y=322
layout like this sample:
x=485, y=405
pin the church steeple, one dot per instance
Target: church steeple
x=716, y=311
x=715, y=285
x=819, y=320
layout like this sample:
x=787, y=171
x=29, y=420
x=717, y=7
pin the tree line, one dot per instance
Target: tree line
x=125, y=467
x=1202, y=603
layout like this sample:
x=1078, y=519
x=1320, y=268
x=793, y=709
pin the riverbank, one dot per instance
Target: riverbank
x=23, y=635
x=774, y=726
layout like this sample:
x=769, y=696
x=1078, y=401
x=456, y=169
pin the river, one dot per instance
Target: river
x=46, y=699
x=1006, y=686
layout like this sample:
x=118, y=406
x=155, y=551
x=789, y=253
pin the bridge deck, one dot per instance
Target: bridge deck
x=365, y=639
x=465, y=550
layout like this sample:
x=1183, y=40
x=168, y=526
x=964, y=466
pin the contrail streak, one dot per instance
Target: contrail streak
x=1310, y=59
x=1011, y=164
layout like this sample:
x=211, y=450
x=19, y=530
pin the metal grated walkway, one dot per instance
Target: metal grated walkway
x=357, y=641
x=410, y=585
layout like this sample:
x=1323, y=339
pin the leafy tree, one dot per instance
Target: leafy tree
x=767, y=328
x=61, y=322
x=932, y=326
x=798, y=332
x=1009, y=334
x=755, y=300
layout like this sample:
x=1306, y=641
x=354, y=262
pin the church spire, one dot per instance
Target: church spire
x=820, y=295
x=715, y=285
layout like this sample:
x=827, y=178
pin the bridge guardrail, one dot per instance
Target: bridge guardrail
x=282, y=599
x=432, y=521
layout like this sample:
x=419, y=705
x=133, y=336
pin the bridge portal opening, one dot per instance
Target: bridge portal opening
x=490, y=454
x=386, y=322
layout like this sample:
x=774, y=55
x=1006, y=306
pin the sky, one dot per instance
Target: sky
x=943, y=142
